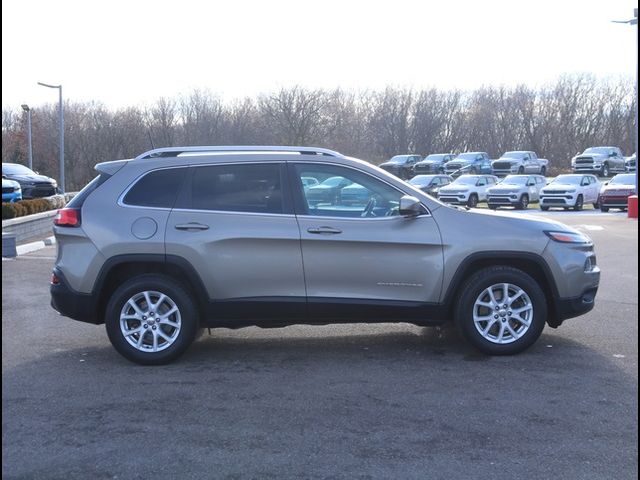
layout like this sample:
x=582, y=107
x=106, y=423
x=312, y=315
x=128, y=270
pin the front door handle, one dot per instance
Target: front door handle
x=324, y=230
x=191, y=226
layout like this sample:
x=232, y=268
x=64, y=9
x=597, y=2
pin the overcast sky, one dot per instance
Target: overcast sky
x=130, y=52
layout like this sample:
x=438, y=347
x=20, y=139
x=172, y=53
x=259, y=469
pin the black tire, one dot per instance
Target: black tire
x=493, y=207
x=187, y=311
x=473, y=201
x=523, y=204
x=543, y=171
x=605, y=170
x=473, y=171
x=474, y=288
x=596, y=204
x=579, y=203
x=520, y=170
x=604, y=209
x=543, y=208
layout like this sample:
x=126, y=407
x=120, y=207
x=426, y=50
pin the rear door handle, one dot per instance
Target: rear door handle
x=324, y=230
x=191, y=226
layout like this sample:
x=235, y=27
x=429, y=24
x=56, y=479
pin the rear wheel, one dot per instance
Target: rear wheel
x=579, y=203
x=151, y=319
x=604, y=209
x=501, y=311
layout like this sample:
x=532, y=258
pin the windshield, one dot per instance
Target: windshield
x=623, y=180
x=466, y=156
x=513, y=180
x=16, y=169
x=465, y=180
x=568, y=179
x=399, y=159
x=601, y=150
x=513, y=155
x=436, y=157
x=421, y=180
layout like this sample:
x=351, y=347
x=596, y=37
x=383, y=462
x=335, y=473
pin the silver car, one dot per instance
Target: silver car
x=179, y=239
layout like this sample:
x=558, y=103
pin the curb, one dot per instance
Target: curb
x=33, y=246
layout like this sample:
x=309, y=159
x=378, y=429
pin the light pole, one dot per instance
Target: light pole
x=61, y=121
x=26, y=108
x=634, y=21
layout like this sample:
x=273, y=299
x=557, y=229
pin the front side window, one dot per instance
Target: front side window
x=248, y=187
x=157, y=189
x=359, y=195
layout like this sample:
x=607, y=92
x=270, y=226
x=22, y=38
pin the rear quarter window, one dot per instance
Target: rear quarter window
x=157, y=189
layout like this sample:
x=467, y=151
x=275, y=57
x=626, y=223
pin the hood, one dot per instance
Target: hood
x=620, y=186
x=30, y=178
x=595, y=156
x=458, y=163
x=390, y=165
x=505, y=187
x=429, y=162
x=9, y=183
x=455, y=188
x=560, y=186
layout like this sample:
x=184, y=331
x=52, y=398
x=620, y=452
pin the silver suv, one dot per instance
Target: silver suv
x=179, y=239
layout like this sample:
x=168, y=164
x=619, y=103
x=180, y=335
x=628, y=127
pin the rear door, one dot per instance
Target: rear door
x=234, y=224
x=366, y=253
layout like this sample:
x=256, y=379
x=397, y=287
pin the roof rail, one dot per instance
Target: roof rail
x=175, y=151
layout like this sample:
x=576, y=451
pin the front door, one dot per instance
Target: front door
x=358, y=250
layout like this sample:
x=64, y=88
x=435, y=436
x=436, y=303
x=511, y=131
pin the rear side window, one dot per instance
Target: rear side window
x=253, y=188
x=156, y=189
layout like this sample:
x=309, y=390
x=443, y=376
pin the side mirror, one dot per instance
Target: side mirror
x=410, y=206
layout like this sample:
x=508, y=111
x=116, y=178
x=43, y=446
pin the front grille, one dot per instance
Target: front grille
x=7, y=189
x=424, y=168
x=502, y=165
x=499, y=200
x=453, y=166
x=43, y=191
x=556, y=192
x=555, y=200
x=584, y=161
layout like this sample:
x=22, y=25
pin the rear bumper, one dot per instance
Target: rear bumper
x=69, y=303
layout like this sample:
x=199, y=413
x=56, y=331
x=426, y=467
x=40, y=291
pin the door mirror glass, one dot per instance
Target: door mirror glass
x=410, y=206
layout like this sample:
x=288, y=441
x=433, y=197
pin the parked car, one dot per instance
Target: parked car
x=401, y=165
x=327, y=191
x=431, y=184
x=471, y=163
x=32, y=184
x=519, y=162
x=600, y=160
x=433, y=163
x=11, y=191
x=163, y=245
x=516, y=191
x=630, y=163
x=570, y=191
x=309, y=182
x=615, y=193
x=354, y=194
x=467, y=190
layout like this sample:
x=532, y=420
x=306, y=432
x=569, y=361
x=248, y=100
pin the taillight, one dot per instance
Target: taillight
x=55, y=280
x=67, y=217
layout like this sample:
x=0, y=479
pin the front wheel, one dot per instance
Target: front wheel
x=520, y=170
x=151, y=319
x=473, y=201
x=605, y=170
x=579, y=203
x=501, y=311
x=523, y=204
x=543, y=171
x=604, y=209
x=543, y=208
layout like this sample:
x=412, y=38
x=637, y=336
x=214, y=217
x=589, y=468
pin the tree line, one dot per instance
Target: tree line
x=556, y=120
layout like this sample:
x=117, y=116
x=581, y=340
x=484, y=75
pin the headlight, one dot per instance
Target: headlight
x=568, y=237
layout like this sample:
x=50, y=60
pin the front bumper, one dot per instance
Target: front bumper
x=69, y=303
x=617, y=201
x=455, y=199
x=38, y=191
x=572, y=307
x=507, y=200
x=563, y=200
x=12, y=197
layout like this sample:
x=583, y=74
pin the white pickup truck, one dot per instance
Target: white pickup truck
x=519, y=162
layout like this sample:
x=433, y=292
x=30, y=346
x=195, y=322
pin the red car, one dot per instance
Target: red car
x=615, y=193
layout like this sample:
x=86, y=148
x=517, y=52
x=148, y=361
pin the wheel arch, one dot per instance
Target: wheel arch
x=530, y=263
x=120, y=268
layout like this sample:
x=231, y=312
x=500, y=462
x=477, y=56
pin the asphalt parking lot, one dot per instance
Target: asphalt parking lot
x=348, y=401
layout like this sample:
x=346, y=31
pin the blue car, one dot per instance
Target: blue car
x=11, y=191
